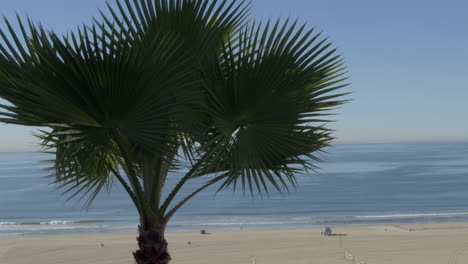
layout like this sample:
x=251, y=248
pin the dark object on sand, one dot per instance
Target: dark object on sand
x=327, y=231
x=203, y=232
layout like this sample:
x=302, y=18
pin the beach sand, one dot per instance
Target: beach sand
x=411, y=244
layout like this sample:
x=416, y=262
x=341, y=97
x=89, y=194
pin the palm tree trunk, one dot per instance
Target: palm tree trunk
x=152, y=247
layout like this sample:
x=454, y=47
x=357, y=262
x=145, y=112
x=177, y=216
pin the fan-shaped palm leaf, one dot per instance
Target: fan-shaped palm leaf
x=268, y=98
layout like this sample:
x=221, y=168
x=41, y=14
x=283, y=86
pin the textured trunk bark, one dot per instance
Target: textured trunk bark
x=152, y=247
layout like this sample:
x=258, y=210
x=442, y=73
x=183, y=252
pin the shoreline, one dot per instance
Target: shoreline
x=405, y=243
x=410, y=226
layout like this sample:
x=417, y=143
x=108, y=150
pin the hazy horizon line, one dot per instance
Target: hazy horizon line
x=331, y=145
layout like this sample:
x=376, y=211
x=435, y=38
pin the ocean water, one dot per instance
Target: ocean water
x=357, y=184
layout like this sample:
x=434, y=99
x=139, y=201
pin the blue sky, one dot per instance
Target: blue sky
x=408, y=62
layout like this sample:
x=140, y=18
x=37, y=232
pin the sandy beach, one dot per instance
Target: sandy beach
x=412, y=244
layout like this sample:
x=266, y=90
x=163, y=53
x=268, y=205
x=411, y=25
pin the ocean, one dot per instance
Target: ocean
x=357, y=184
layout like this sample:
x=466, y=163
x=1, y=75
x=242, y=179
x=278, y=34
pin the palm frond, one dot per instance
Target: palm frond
x=132, y=76
x=83, y=165
x=269, y=96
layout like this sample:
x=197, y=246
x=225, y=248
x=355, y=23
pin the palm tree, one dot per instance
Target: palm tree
x=153, y=84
